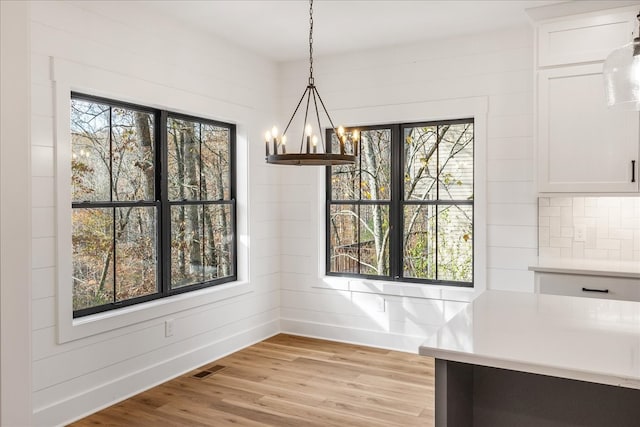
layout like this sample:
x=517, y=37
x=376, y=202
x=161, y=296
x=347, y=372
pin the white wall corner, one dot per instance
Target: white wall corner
x=15, y=214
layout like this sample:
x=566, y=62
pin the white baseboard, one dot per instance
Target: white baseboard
x=387, y=340
x=65, y=411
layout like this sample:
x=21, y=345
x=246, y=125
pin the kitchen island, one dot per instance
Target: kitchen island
x=520, y=359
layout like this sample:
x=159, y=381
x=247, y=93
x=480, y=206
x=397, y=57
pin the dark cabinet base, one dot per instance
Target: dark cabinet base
x=479, y=396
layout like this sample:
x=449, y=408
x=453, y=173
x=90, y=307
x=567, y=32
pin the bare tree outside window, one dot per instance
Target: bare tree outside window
x=119, y=199
x=407, y=202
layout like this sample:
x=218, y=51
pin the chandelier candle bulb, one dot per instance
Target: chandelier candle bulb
x=267, y=138
x=283, y=142
x=314, y=142
x=356, y=139
x=274, y=134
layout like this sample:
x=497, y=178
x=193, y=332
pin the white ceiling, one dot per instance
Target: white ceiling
x=279, y=29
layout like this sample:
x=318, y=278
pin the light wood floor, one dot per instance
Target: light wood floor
x=289, y=381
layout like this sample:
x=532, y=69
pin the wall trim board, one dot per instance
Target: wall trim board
x=68, y=76
x=127, y=386
x=326, y=331
x=15, y=214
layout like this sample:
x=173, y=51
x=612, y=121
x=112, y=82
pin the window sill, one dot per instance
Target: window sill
x=70, y=329
x=400, y=289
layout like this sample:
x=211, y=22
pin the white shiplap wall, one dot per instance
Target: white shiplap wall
x=496, y=67
x=80, y=376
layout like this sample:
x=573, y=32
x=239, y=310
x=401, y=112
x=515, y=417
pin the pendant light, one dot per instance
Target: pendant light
x=310, y=154
x=622, y=76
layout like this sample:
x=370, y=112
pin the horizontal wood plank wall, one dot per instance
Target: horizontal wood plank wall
x=188, y=68
x=289, y=381
x=496, y=66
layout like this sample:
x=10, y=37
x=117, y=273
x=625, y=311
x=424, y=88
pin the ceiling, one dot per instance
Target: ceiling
x=278, y=30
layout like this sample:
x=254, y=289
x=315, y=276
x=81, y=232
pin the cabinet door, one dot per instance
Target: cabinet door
x=584, y=38
x=583, y=146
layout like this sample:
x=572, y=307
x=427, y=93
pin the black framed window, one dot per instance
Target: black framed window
x=153, y=203
x=404, y=211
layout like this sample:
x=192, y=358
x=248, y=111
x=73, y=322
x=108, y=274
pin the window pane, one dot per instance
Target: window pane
x=456, y=161
x=420, y=163
x=343, y=239
x=215, y=163
x=374, y=240
x=218, y=242
x=375, y=164
x=133, y=155
x=186, y=245
x=345, y=179
x=92, y=241
x=455, y=243
x=135, y=252
x=90, y=151
x=419, y=242
x=183, y=140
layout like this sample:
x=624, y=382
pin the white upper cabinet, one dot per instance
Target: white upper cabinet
x=583, y=146
x=583, y=39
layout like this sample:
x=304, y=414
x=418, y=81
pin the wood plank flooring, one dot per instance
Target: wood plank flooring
x=285, y=381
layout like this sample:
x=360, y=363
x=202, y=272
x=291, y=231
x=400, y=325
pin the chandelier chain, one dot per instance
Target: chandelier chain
x=311, y=42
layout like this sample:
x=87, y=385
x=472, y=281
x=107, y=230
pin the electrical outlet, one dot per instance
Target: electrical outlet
x=168, y=327
x=580, y=233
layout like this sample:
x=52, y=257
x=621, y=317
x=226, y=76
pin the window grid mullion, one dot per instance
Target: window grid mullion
x=395, y=214
x=162, y=195
x=397, y=204
x=437, y=201
x=161, y=204
x=202, y=197
x=113, y=209
x=113, y=249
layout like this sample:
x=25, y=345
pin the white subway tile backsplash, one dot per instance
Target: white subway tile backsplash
x=614, y=255
x=577, y=250
x=610, y=244
x=578, y=207
x=595, y=253
x=566, y=216
x=560, y=242
x=566, y=231
x=561, y=201
x=626, y=250
x=590, y=202
x=549, y=211
x=612, y=227
x=554, y=225
x=543, y=236
x=621, y=233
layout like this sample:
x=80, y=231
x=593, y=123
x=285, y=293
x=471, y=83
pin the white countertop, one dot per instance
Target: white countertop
x=591, y=267
x=586, y=339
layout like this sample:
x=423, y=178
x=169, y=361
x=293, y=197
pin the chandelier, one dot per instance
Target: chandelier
x=622, y=76
x=310, y=154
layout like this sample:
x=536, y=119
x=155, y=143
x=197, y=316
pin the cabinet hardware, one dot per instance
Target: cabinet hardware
x=602, y=291
x=633, y=171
